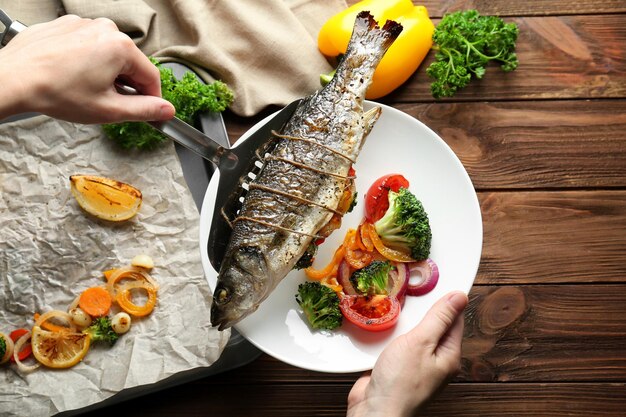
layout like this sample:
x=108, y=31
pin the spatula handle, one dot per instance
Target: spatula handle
x=11, y=28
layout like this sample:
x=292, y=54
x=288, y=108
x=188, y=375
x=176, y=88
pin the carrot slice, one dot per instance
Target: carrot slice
x=95, y=301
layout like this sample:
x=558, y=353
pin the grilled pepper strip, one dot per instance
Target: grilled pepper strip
x=402, y=58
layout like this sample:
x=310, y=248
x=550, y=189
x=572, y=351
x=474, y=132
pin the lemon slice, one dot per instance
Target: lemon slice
x=105, y=198
x=59, y=349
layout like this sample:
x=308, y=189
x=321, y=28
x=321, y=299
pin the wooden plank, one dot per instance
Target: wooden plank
x=560, y=57
x=541, y=333
x=533, y=144
x=305, y=399
x=529, y=400
x=548, y=237
x=521, y=8
x=529, y=333
x=198, y=399
x=526, y=144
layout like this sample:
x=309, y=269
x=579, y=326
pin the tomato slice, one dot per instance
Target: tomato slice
x=373, y=313
x=27, y=349
x=377, y=197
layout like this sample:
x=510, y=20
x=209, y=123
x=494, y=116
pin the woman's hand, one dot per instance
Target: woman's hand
x=66, y=69
x=415, y=365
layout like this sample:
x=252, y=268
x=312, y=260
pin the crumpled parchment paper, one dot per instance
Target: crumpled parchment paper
x=50, y=250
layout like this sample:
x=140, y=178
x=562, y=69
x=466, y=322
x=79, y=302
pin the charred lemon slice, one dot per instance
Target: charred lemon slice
x=59, y=349
x=106, y=198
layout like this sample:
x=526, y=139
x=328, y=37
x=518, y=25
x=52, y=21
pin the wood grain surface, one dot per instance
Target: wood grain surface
x=545, y=147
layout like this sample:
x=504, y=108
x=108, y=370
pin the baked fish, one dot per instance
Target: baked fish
x=303, y=180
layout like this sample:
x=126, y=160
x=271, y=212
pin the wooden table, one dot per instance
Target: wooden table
x=545, y=147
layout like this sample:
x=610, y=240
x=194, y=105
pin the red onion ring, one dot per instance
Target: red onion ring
x=428, y=272
x=400, y=278
x=343, y=278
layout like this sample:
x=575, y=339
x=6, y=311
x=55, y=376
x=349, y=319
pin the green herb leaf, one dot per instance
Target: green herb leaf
x=465, y=42
x=188, y=95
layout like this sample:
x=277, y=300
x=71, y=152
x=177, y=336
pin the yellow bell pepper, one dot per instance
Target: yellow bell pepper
x=404, y=55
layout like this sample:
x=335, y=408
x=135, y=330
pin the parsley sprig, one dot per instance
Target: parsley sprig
x=465, y=42
x=189, y=97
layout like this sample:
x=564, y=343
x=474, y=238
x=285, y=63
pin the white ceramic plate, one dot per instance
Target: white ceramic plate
x=397, y=144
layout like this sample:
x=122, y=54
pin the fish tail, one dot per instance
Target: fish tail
x=367, y=45
x=365, y=25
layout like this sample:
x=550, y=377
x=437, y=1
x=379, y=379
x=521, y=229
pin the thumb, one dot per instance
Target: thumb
x=440, y=319
x=357, y=393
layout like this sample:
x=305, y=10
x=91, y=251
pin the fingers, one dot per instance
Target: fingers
x=440, y=319
x=139, y=108
x=357, y=393
x=137, y=69
x=132, y=64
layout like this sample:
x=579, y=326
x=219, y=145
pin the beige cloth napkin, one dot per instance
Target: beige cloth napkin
x=266, y=51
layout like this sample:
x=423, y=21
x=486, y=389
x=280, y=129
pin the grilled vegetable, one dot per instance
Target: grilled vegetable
x=372, y=279
x=373, y=313
x=405, y=225
x=120, y=323
x=320, y=305
x=101, y=330
x=106, y=198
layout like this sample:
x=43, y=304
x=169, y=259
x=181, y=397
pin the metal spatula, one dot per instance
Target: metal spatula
x=234, y=164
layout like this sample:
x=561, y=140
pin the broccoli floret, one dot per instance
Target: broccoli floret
x=306, y=260
x=320, y=305
x=101, y=329
x=405, y=225
x=372, y=279
x=188, y=95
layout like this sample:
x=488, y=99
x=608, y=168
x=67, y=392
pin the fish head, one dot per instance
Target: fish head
x=243, y=283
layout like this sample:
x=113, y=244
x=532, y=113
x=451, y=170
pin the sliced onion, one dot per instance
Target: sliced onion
x=129, y=272
x=400, y=280
x=10, y=348
x=56, y=314
x=73, y=304
x=343, y=277
x=427, y=274
x=18, y=348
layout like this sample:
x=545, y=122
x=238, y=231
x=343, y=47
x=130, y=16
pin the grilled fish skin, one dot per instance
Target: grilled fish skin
x=300, y=185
